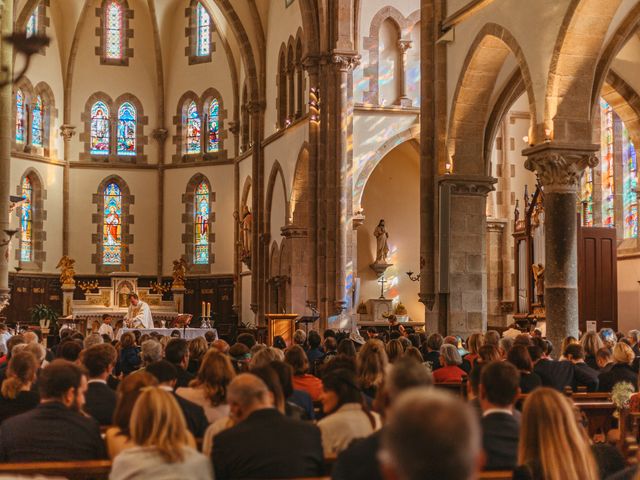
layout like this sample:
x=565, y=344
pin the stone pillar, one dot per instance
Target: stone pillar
x=6, y=131
x=66, y=132
x=463, y=251
x=496, y=261
x=160, y=136
x=403, y=100
x=67, y=299
x=300, y=261
x=559, y=168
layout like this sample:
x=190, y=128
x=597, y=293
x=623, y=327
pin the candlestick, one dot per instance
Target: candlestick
x=209, y=310
x=203, y=309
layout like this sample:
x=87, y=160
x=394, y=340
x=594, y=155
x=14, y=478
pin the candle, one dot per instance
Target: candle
x=209, y=310
x=203, y=309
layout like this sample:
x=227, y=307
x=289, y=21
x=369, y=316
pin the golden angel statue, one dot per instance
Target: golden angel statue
x=179, y=272
x=66, y=271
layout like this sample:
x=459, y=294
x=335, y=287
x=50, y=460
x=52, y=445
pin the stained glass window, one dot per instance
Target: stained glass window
x=630, y=178
x=112, y=226
x=21, y=117
x=201, y=221
x=113, y=29
x=606, y=161
x=37, y=124
x=26, y=222
x=99, y=129
x=127, y=129
x=203, y=46
x=213, y=126
x=194, y=127
x=586, y=198
x=32, y=24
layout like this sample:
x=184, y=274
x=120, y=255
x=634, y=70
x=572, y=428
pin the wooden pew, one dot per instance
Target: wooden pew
x=457, y=388
x=81, y=470
x=495, y=475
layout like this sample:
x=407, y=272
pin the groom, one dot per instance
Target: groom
x=139, y=315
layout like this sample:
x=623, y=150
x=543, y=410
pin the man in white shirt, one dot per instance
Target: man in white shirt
x=139, y=315
x=106, y=328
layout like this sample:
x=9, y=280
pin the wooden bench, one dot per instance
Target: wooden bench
x=457, y=388
x=496, y=475
x=80, y=470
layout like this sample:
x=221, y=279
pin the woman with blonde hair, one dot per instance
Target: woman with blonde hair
x=591, y=343
x=371, y=364
x=16, y=396
x=395, y=350
x=553, y=446
x=163, y=447
x=474, y=342
x=620, y=371
x=209, y=388
x=197, y=349
x=566, y=341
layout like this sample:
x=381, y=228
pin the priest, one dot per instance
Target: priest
x=139, y=314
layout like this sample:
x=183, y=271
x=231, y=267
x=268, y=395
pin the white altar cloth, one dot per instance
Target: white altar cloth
x=187, y=334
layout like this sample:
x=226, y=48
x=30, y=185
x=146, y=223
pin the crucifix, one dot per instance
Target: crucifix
x=382, y=283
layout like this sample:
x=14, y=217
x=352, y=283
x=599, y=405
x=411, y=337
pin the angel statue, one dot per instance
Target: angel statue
x=179, y=272
x=538, y=276
x=66, y=271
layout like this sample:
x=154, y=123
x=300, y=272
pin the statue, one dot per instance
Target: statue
x=66, y=271
x=179, y=273
x=538, y=275
x=245, y=224
x=382, y=247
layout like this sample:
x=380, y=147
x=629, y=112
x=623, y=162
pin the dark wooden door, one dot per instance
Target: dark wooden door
x=597, y=277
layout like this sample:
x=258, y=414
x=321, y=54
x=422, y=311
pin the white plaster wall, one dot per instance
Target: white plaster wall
x=221, y=179
x=628, y=294
x=285, y=150
x=143, y=185
x=626, y=64
x=246, y=312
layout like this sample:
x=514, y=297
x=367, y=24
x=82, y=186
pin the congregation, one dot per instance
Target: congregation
x=162, y=407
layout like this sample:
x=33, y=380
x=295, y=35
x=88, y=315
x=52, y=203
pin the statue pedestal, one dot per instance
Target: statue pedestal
x=380, y=268
x=67, y=299
x=377, y=307
x=178, y=298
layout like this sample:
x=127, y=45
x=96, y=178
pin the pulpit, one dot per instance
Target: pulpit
x=281, y=324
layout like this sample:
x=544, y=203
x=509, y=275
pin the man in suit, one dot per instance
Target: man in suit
x=583, y=374
x=55, y=430
x=99, y=360
x=167, y=375
x=554, y=374
x=355, y=463
x=264, y=443
x=177, y=352
x=499, y=388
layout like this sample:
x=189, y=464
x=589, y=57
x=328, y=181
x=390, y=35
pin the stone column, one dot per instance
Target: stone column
x=403, y=100
x=6, y=131
x=296, y=245
x=66, y=132
x=463, y=251
x=559, y=168
x=496, y=261
x=160, y=136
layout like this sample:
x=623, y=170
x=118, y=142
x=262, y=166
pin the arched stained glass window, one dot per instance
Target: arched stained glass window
x=37, y=123
x=203, y=22
x=213, y=127
x=21, y=117
x=607, y=164
x=127, y=129
x=112, y=226
x=99, y=129
x=586, y=197
x=630, y=179
x=113, y=30
x=32, y=23
x=26, y=221
x=201, y=224
x=194, y=128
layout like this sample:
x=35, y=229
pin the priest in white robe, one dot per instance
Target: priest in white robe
x=139, y=314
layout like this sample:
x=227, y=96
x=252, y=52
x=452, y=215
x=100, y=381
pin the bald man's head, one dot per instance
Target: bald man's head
x=247, y=394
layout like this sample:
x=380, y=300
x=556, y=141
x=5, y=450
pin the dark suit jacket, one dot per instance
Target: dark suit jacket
x=619, y=372
x=23, y=402
x=184, y=377
x=50, y=432
x=529, y=382
x=555, y=374
x=268, y=445
x=100, y=402
x=194, y=415
x=500, y=434
x=585, y=376
x=359, y=460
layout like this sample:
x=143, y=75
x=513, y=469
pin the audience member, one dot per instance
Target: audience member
x=395, y=350
x=499, y=388
x=553, y=446
x=150, y=352
x=591, y=343
x=330, y=348
x=505, y=345
x=432, y=353
x=99, y=361
x=299, y=337
x=292, y=408
x=371, y=363
x=492, y=337
x=554, y=374
x=70, y=350
x=519, y=357
x=177, y=352
x=583, y=374
x=209, y=388
x=315, y=352
x=55, y=430
x=297, y=358
x=246, y=339
x=16, y=395
x=197, y=349
x=163, y=446
x=621, y=370
x=91, y=340
x=294, y=451
x=347, y=347
x=129, y=358
x=414, y=353
x=265, y=356
x=474, y=342
x=604, y=359
x=450, y=360
x=566, y=341
x=220, y=345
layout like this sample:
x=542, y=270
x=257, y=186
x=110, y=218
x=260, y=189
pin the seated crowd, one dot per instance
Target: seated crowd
x=380, y=407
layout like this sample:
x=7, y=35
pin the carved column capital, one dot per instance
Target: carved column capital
x=559, y=167
x=67, y=131
x=345, y=61
x=475, y=185
x=293, y=231
x=234, y=127
x=254, y=107
x=404, y=45
x=160, y=134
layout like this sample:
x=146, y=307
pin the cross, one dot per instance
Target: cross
x=382, y=282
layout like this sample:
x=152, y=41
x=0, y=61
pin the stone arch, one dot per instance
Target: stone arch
x=569, y=94
x=38, y=217
x=281, y=85
x=625, y=102
x=28, y=92
x=311, y=28
x=372, y=159
x=142, y=120
x=245, y=200
x=206, y=97
x=50, y=114
x=276, y=171
x=299, y=80
x=470, y=106
x=291, y=74
x=300, y=202
x=85, y=117
x=127, y=34
x=192, y=33
x=179, y=138
x=188, y=220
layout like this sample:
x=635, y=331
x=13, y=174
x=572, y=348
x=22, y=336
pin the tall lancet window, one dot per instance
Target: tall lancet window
x=127, y=129
x=21, y=117
x=607, y=164
x=194, y=128
x=213, y=126
x=630, y=196
x=112, y=225
x=201, y=224
x=37, y=123
x=99, y=129
x=32, y=24
x=114, y=30
x=203, y=22
x=26, y=221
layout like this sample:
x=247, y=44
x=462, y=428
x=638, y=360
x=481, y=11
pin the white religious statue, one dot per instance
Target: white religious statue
x=382, y=247
x=139, y=314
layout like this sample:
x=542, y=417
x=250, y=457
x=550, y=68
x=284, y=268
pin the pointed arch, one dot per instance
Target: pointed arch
x=200, y=32
x=276, y=172
x=114, y=32
x=214, y=130
x=198, y=218
x=31, y=215
x=300, y=202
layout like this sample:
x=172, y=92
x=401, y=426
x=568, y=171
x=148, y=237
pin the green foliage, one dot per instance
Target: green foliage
x=43, y=312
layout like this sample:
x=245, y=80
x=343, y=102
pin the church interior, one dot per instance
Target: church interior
x=379, y=170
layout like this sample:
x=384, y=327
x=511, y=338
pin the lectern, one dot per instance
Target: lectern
x=282, y=324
